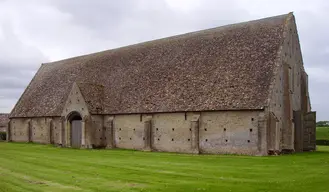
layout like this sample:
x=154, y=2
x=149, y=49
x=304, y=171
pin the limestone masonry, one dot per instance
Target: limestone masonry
x=235, y=89
x=4, y=119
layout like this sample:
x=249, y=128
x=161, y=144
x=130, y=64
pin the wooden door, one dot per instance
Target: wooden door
x=76, y=133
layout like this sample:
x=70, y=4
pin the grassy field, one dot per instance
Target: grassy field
x=33, y=167
x=322, y=133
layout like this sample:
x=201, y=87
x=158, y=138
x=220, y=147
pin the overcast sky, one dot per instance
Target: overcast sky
x=38, y=31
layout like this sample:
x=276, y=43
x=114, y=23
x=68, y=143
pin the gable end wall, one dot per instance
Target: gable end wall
x=286, y=92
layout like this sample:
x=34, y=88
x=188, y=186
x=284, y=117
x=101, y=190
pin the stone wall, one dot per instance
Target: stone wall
x=172, y=132
x=37, y=130
x=229, y=132
x=4, y=119
x=129, y=131
x=309, y=134
x=219, y=132
x=286, y=92
x=40, y=130
x=56, y=126
x=19, y=130
x=3, y=129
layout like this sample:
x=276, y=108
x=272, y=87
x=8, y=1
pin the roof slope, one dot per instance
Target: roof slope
x=224, y=68
x=93, y=95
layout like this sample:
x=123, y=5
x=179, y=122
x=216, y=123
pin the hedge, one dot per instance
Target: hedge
x=322, y=142
x=3, y=135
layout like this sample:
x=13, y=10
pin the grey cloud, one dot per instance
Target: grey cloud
x=319, y=98
x=313, y=36
x=100, y=15
x=133, y=21
x=314, y=41
x=13, y=82
x=18, y=63
x=82, y=26
x=10, y=93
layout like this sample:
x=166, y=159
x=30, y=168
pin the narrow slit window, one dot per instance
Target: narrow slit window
x=291, y=79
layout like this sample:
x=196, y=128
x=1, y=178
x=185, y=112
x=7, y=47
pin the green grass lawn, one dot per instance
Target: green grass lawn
x=33, y=167
x=322, y=133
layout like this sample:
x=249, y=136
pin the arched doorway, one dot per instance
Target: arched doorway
x=75, y=122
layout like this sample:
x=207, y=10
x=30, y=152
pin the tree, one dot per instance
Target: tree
x=322, y=124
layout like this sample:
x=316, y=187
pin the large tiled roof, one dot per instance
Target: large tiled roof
x=224, y=68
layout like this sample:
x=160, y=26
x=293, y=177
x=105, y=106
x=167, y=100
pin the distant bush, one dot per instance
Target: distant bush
x=322, y=123
x=3, y=135
x=322, y=136
x=322, y=142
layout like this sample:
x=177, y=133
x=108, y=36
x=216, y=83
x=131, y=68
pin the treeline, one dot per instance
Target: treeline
x=322, y=124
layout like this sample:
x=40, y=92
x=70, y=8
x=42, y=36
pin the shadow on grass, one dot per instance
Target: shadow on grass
x=321, y=150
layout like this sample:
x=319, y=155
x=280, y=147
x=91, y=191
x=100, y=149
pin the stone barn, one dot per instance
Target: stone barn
x=235, y=89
